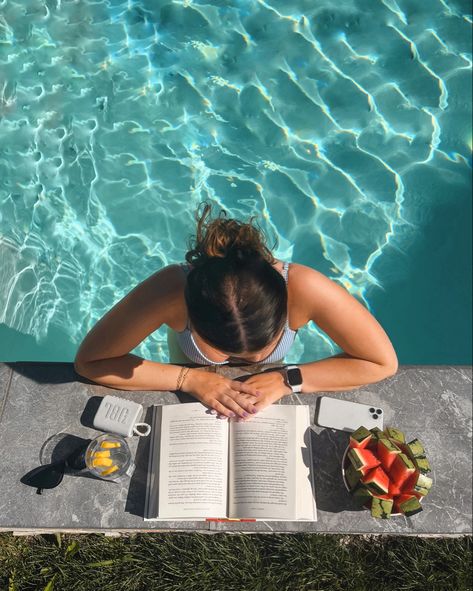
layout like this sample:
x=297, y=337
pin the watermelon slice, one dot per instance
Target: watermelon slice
x=360, y=438
x=377, y=481
x=398, y=499
x=401, y=469
x=394, y=489
x=352, y=476
x=417, y=495
x=381, y=508
x=416, y=449
x=362, y=495
x=363, y=460
x=410, y=506
x=384, y=473
x=417, y=482
x=423, y=465
x=387, y=452
x=377, y=433
x=395, y=434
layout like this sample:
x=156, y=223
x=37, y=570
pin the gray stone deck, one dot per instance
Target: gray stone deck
x=46, y=408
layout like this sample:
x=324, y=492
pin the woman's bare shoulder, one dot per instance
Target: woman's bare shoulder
x=150, y=304
x=299, y=275
x=305, y=285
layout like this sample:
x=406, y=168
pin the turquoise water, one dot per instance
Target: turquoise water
x=346, y=126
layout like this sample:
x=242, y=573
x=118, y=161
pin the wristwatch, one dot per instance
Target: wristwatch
x=293, y=377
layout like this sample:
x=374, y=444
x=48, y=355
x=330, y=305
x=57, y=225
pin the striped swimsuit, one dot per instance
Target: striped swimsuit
x=189, y=347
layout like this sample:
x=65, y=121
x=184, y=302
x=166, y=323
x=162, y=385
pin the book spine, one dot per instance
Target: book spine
x=151, y=479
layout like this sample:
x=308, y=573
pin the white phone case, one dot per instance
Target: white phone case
x=348, y=416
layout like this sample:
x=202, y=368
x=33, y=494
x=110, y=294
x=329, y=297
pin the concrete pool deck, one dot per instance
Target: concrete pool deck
x=46, y=410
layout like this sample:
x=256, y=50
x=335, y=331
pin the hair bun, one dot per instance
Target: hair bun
x=227, y=239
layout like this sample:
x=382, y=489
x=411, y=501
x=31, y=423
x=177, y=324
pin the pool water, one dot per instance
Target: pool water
x=345, y=126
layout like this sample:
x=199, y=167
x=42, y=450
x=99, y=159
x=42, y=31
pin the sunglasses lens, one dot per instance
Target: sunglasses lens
x=44, y=476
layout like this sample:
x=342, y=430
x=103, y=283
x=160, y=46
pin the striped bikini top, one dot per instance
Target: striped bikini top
x=189, y=346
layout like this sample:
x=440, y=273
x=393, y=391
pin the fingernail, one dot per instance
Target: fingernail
x=213, y=412
x=245, y=414
x=254, y=410
x=232, y=414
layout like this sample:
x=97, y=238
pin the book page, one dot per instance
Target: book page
x=305, y=489
x=262, y=467
x=193, y=463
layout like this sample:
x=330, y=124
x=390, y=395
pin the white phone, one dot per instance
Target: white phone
x=348, y=416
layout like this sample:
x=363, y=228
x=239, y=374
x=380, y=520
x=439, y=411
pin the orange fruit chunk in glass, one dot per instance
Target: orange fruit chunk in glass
x=110, y=444
x=102, y=454
x=102, y=462
x=109, y=471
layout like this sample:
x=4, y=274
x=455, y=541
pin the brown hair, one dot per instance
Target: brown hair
x=236, y=299
x=218, y=237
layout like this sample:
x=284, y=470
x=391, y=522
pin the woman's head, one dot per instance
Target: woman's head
x=236, y=299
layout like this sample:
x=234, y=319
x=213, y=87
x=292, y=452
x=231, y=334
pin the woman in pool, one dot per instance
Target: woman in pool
x=235, y=303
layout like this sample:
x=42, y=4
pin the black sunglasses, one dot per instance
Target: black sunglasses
x=51, y=475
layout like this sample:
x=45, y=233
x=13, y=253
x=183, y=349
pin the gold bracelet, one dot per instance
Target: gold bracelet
x=181, y=377
x=185, y=375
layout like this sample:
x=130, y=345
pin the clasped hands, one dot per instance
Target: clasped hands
x=234, y=399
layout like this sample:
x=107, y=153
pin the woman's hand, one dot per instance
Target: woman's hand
x=227, y=397
x=271, y=385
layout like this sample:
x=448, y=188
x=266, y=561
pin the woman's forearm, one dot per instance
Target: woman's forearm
x=130, y=372
x=342, y=372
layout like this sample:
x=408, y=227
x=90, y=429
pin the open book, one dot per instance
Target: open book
x=203, y=467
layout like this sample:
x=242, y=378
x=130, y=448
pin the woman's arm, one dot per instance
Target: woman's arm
x=368, y=353
x=104, y=355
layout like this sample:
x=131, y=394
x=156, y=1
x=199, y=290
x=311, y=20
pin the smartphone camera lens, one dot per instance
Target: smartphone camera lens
x=375, y=416
x=372, y=409
x=379, y=411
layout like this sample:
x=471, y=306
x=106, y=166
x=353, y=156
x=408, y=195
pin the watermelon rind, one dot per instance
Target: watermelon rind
x=352, y=476
x=362, y=495
x=362, y=459
x=423, y=465
x=416, y=448
x=377, y=481
x=386, y=452
x=401, y=469
x=360, y=438
x=411, y=507
x=398, y=499
x=421, y=490
x=424, y=481
x=377, y=433
x=381, y=508
x=416, y=480
x=395, y=434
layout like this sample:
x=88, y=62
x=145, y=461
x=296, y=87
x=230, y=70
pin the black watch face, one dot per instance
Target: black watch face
x=294, y=376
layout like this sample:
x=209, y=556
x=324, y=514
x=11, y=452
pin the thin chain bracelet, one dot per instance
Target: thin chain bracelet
x=182, y=376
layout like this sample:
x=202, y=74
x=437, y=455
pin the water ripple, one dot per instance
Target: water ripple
x=117, y=118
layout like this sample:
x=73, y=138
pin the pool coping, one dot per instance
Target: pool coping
x=18, y=384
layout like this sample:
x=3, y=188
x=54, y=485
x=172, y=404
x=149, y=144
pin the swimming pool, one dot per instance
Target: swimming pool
x=345, y=126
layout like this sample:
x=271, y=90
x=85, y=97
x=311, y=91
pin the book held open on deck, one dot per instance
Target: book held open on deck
x=202, y=467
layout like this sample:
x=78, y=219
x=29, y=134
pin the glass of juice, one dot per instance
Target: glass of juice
x=109, y=457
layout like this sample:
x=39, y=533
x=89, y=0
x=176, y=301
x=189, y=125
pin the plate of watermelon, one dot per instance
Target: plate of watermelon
x=386, y=474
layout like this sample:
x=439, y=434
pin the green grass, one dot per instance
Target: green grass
x=227, y=562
